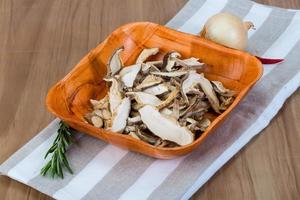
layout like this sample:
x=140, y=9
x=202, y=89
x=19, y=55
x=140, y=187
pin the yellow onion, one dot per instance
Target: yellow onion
x=228, y=30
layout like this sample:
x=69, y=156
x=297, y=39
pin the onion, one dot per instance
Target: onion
x=228, y=30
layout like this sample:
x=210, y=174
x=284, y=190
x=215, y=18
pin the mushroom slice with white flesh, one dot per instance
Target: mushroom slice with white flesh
x=205, y=85
x=169, y=60
x=97, y=121
x=171, y=74
x=145, y=54
x=115, y=95
x=104, y=113
x=189, y=63
x=94, y=120
x=176, y=109
x=119, y=117
x=156, y=63
x=133, y=134
x=225, y=102
x=165, y=127
x=146, y=67
x=129, y=129
x=169, y=99
x=166, y=111
x=134, y=120
x=128, y=74
x=115, y=62
x=220, y=89
x=196, y=106
x=193, y=126
x=204, y=124
x=157, y=89
x=149, y=81
x=188, y=84
x=151, y=139
x=143, y=98
x=101, y=104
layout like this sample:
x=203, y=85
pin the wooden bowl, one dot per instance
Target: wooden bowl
x=69, y=98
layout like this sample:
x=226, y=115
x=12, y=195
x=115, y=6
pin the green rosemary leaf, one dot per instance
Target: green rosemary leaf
x=45, y=168
x=59, y=168
x=65, y=161
x=58, y=149
x=50, y=150
x=53, y=166
x=65, y=141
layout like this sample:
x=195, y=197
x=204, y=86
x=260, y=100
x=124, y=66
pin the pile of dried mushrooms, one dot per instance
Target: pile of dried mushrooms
x=160, y=102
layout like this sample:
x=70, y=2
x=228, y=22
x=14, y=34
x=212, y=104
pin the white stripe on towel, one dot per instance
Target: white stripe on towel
x=91, y=174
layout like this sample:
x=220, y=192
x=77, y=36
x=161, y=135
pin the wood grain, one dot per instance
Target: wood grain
x=42, y=40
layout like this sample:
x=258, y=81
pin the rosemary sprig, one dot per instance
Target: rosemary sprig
x=58, y=149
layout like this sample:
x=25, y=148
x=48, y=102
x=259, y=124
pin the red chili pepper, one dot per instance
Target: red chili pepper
x=269, y=60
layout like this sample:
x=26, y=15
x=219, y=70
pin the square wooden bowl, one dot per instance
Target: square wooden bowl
x=69, y=98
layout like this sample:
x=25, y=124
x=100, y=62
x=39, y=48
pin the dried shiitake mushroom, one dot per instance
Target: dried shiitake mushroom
x=163, y=103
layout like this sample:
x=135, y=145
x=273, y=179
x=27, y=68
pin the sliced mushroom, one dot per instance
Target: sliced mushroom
x=97, y=121
x=134, y=120
x=189, y=83
x=115, y=95
x=190, y=63
x=104, y=114
x=196, y=105
x=165, y=127
x=119, y=117
x=128, y=74
x=193, y=126
x=149, y=81
x=169, y=100
x=156, y=63
x=146, y=53
x=176, y=109
x=102, y=103
x=220, y=89
x=225, y=102
x=171, y=74
x=151, y=139
x=157, y=89
x=115, y=62
x=129, y=129
x=204, y=124
x=169, y=60
x=147, y=67
x=166, y=111
x=143, y=98
x=134, y=135
x=205, y=85
x=196, y=91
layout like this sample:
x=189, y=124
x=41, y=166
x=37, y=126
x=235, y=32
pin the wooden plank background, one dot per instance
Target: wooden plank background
x=41, y=40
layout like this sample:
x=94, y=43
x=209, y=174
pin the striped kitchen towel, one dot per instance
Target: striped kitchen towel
x=103, y=171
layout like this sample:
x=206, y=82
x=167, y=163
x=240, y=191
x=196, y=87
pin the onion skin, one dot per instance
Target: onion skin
x=228, y=30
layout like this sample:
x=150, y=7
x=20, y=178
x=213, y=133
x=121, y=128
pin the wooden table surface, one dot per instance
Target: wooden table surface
x=41, y=40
